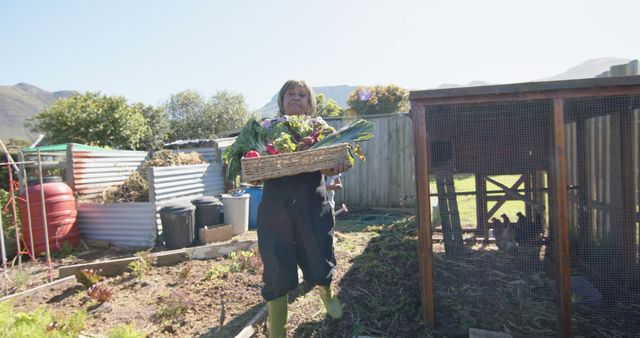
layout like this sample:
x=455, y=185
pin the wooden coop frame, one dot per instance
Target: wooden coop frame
x=552, y=153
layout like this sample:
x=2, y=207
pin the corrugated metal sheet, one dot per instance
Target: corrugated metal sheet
x=387, y=177
x=94, y=171
x=130, y=225
x=168, y=183
x=221, y=145
x=181, y=184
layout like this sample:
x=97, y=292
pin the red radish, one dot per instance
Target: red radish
x=272, y=150
x=252, y=153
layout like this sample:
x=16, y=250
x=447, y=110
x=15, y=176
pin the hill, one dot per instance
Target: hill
x=21, y=102
x=589, y=68
x=586, y=69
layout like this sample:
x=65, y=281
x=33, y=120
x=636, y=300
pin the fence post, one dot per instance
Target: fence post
x=425, y=250
x=70, y=178
x=560, y=218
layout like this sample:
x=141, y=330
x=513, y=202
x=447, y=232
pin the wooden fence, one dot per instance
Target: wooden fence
x=386, y=178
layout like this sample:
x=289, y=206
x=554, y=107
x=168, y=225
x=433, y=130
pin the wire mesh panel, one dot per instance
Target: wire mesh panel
x=492, y=260
x=534, y=207
x=604, y=230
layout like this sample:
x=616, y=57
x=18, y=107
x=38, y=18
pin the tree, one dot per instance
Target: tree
x=94, y=119
x=231, y=111
x=159, y=126
x=379, y=100
x=196, y=117
x=330, y=108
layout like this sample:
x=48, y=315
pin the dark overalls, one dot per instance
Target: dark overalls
x=295, y=228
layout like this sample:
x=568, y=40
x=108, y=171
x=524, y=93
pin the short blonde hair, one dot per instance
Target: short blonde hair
x=297, y=83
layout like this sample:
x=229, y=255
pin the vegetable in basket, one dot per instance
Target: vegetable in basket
x=287, y=134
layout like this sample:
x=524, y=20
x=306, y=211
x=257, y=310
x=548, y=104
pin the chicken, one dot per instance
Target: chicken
x=526, y=233
x=495, y=227
x=537, y=224
x=506, y=239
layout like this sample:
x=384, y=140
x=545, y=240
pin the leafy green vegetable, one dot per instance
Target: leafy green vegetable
x=356, y=131
x=285, y=143
x=274, y=131
x=252, y=137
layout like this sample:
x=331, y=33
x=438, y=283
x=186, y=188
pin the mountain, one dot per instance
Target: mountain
x=21, y=102
x=589, y=68
x=338, y=93
x=586, y=69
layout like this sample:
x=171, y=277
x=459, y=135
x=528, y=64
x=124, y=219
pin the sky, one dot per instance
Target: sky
x=147, y=50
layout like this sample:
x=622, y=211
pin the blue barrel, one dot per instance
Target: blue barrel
x=255, y=198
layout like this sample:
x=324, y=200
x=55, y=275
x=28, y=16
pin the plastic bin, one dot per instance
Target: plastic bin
x=255, y=198
x=236, y=212
x=177, y=225
x=207, y=213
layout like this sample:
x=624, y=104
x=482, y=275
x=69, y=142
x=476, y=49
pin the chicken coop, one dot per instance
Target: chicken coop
x=528, y=207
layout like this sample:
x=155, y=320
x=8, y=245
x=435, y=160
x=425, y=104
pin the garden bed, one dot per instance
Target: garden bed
x=377, y=280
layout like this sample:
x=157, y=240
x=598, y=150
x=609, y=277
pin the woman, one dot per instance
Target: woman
x=296, y=226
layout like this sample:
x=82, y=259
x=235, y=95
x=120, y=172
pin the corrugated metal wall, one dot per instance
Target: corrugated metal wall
x=130, y=225
x=181, y=184
x=386, y=178
x=94, y=171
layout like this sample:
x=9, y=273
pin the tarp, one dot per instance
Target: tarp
x=61, y=147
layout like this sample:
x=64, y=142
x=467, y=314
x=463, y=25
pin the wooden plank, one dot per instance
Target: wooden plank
x=530, y=91
x=561, y=244
x=425, y=250
x=481, y=206
x=628, y=197
x=511, y=191
x=67, y=281
x=109, y=268
x=584, y=212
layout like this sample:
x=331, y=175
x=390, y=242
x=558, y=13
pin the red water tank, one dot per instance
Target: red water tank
x=61, y=215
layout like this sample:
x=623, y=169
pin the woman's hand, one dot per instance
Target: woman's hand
x=340, y=167
x=254, y=183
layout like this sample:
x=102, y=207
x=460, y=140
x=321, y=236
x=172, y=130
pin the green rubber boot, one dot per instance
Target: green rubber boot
x=277, y=312
x=332, y=304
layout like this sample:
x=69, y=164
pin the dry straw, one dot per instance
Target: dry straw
x=136, y=187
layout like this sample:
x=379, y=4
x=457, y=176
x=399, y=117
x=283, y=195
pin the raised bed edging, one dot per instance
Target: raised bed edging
x=70, y=280
x=164, y=258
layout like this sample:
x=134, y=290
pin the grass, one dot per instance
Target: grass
x=467, y=203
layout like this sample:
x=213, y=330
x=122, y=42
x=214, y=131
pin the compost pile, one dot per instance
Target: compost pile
x=136, y=187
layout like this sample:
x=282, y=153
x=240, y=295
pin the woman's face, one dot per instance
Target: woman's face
x=296, y=101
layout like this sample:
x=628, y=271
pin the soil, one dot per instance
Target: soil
x=221, y=306
x=377, y=281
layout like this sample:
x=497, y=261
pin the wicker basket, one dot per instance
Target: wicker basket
x=265, y=167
